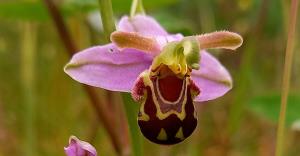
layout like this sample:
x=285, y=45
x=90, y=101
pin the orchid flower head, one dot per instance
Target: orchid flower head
x=79, y=148
x=165, y=73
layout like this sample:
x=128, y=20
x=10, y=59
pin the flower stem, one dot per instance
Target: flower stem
x=131, y=109
x=107, y=17
x=28, y=53
x=100, y=108
x=286, y=77
x=136, y=7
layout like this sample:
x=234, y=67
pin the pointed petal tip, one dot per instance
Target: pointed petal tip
x=68, y=66
x=73, y=139
x=237, y=39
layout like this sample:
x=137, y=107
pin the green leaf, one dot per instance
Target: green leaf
x=132, y=109
x=269, y=105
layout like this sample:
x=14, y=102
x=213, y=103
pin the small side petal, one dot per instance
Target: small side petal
x=148, y=44
x=134, y=40
x=107, y=67
x=79, y=148
x=220, y=39
x=212, y=78
x=142, y=24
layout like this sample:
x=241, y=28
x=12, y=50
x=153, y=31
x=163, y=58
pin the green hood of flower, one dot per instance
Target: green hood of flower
x=180, y=56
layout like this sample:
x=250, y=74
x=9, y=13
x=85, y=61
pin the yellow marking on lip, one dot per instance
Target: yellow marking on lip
x=144, y=116
x=163, y=116
x=195, y=115
x=179, y=134
x=162, y=135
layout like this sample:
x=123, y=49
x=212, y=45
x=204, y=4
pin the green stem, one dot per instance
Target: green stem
x=131, y=109
x=100, y=108
x=107, y=17
x=28, y=87
x=286, y=77
x=136, y=7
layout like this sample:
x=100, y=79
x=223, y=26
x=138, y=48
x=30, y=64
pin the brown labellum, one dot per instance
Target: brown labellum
x=167, y=114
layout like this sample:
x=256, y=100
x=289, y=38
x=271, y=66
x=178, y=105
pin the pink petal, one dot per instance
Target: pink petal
x=145, y=25
x=107, y=67
x=79, y=148
x=212, y=78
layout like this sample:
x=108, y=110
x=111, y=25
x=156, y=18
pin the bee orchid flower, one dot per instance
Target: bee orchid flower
x=79, y=148
x=165, y=73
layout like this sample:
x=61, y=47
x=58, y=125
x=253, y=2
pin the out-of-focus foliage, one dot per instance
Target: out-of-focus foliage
x=61, y=107
x=23, y=10
x=268, y=106
x=35, y=10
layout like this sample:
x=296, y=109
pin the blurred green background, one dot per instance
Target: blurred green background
x=40, y=106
